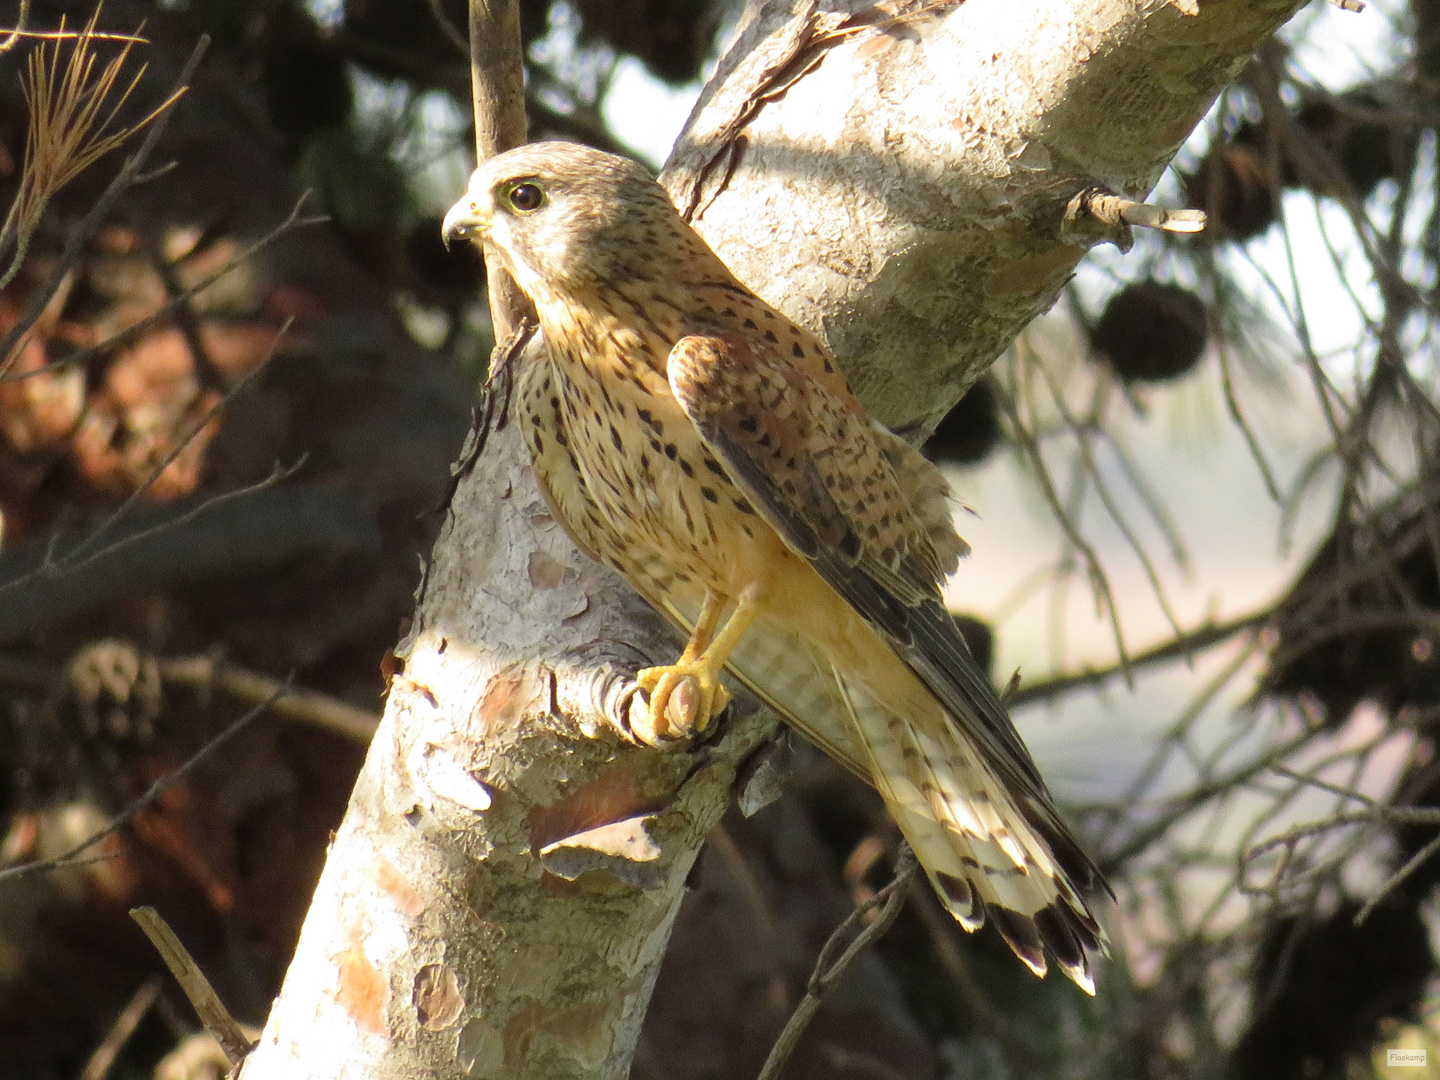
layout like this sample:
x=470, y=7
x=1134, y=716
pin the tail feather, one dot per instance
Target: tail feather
x=978, y=847
x=985, y=851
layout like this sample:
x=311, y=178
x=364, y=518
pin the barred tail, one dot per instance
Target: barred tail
x=982, y=851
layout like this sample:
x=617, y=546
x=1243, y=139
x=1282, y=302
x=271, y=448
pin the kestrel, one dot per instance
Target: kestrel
x=690, y=436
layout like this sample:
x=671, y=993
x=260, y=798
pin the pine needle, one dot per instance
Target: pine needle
x=73, y=109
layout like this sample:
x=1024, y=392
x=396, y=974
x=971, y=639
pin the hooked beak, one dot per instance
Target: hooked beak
x=462, y=222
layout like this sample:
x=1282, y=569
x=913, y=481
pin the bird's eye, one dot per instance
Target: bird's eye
x=525, y=197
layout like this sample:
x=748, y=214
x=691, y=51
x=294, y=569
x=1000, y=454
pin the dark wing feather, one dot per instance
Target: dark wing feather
x=823, y=477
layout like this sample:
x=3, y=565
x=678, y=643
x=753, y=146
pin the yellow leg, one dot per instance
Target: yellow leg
x=710, y=612
x=686, y=695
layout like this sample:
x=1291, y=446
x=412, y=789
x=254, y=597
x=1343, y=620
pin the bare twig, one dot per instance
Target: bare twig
x=1099, y=582
x=18, y=31
x=837, y=956
x=211, y=1010
x=140, y=327
x=306, y=706
x=84, y=552
x=1185, y=805
x=761, y=918
x=158, y=788
x=1396, y=879
x=941, y=928
x=207, y=372
x=98, y=1067
x=244, y=532
x=497, y=78
x=1232, y=405
x=449, y=29
x=1097, y=211
x=1177, y=647
x=1081, y=434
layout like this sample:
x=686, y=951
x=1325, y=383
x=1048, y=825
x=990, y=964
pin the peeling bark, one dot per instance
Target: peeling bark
x=500, y=896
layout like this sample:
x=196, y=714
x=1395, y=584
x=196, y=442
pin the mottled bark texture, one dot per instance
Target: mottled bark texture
x=499, y=899
x=902, y=192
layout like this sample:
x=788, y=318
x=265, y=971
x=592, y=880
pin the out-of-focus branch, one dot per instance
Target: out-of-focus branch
x=497, y=77
x=838, y=954
x=1175, y=648
x=140, y=327
x=292, y=703
x=159, y=787
x=248, y=530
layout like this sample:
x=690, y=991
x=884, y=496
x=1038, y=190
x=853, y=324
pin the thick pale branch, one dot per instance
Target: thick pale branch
x=498, y=900
x=915, y=171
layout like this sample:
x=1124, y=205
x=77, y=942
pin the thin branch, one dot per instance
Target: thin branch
x=1182, y=645
x=247, y=531
x=761, y=918
x=188, y=323
x=140, y=327
x=1099, y=582
x=497, y=87
x=1150, y=499
x=830, y=968
x=1192, y=800
x=98, y=1067
x=1081, y=434
x=18, y=31
x=158, y=788
x=52, y=568
x=990, y=1019
x=1398, y=877
x=312, y=707
x=211, y=1010
x=449, y=29
x=1232, y=405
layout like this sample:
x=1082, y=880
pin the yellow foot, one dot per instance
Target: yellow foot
x=684, y=697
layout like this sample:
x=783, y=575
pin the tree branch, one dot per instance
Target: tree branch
x=497, y=78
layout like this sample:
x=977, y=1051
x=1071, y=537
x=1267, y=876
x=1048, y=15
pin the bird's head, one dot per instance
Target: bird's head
x=562, y=216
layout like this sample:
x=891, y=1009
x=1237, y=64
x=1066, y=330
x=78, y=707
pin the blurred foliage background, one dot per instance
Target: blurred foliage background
x=226, y=422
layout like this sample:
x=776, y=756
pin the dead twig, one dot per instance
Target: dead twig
x=140, y=327
x=226, y=1031
x=245, y=531
x=497, y=87
x=941, y=928
x=1180, y=646
x=762, y=920
x=836, y=957
x=1099, y=582
x=125, y=1024
x=449, y=29
x=292, y=703
x=84, y=552
x=18, y=31
x=158, y=788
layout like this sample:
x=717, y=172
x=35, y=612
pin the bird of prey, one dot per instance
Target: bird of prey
x=689, y=435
